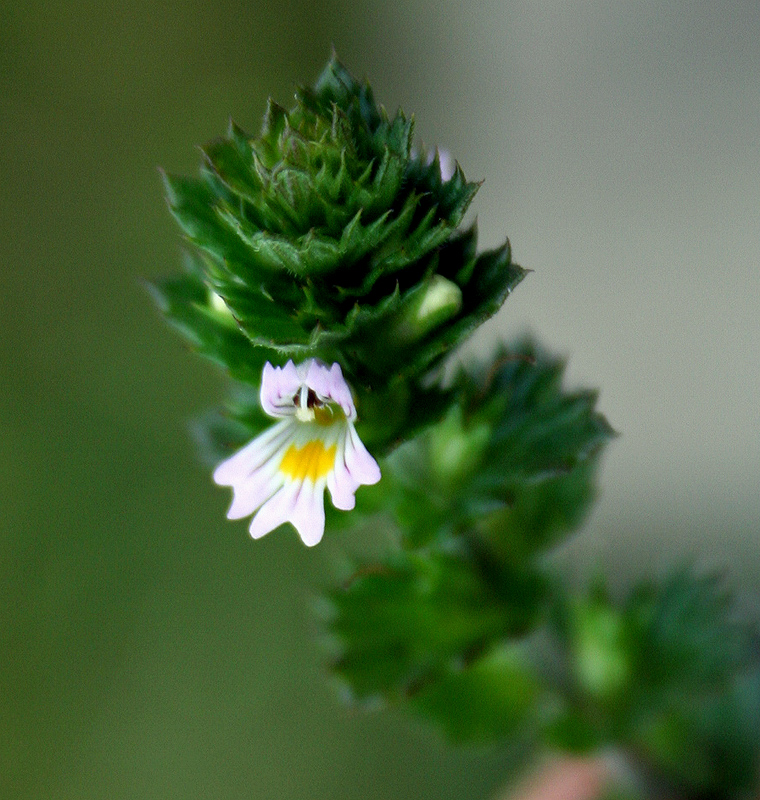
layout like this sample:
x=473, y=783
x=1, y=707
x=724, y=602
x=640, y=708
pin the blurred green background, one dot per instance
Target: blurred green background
x=148, y=648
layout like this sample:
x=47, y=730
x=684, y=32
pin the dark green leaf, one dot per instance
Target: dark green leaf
x=402, y=625
x=516, y=460
x=192, y=204
x=235, y=168
x=493, y=698
x=186, y=302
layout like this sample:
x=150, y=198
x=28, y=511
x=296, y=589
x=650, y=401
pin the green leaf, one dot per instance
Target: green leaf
x=232, y=160
x=192, y=204
x=493, y=698
x=264, y=321
x=398, y=413
x=186, y=302
x=453, y=196
x=402, y=625
x=706, y=743
x=686, y=639
x=515, y=460
x=669, y=675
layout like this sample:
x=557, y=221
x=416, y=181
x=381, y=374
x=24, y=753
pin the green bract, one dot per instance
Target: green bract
x=330, y=236
x=514, y=459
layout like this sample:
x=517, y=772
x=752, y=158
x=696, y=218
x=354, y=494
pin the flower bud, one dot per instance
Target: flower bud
x=217, y=304
x=455, y=450
x=602, y=663
x=436, y=301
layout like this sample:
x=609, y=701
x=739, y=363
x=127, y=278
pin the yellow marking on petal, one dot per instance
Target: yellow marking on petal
x=312, y=461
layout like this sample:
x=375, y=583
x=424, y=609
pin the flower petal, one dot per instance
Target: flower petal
x=257, y=452
x=340, y=392
x=361, y=465
x=278, y=385
x=316, y=377
x=308, y=515
x=341, y=484
x=275, y=511
x=248, y=496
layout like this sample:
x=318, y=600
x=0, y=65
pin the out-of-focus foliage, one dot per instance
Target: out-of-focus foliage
x=669, y=676
x=482, y=496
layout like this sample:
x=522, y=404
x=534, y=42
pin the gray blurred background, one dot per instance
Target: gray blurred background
x=148, y=648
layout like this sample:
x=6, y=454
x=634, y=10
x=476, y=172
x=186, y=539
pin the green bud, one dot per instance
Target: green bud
x=602, y=662
x=440, y=301
x=220, y=309
x=427, y=307
x=455, y=451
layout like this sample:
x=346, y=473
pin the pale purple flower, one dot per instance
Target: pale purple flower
x=448, y=165
x=446, y=161
x=284, y=471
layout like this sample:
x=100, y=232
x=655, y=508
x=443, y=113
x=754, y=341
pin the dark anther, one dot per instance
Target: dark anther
x=312, y=400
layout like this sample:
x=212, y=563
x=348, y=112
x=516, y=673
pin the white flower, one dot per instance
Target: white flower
x=284, y=471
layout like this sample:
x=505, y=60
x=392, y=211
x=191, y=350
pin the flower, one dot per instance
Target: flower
x=446, y=162
x=284, y=471
x=448, y=165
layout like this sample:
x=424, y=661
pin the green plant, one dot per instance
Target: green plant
x=326, y=255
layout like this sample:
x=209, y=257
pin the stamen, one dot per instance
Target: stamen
x=307, y=404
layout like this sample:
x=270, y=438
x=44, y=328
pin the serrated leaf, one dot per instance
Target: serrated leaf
x=398, y=413
x=452, y=196
x=494, y=698
x=541, y=429
x=185, y=302
x=694, y=715
x=516, y=460
x=401, y=625
x=685, y=637
x=541, y=512
x=686, y=677
x=234, y=168
x=264, y=321
x=192, y=205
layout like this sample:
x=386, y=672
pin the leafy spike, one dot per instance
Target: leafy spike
x=310, y=228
